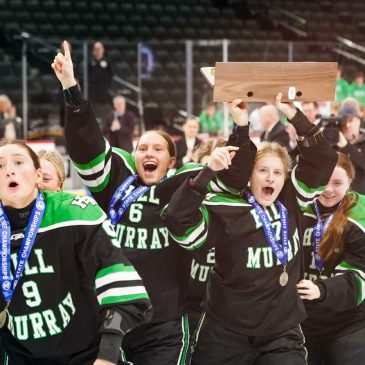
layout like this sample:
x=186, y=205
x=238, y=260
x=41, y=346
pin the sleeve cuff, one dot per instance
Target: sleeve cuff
x=73, y=96
x=302, y=125
x=201, y=181
x=322, y=290
x=238, y=136
x=109, y=349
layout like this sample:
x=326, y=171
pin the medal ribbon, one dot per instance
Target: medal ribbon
x=8, y=282
x=318, y=232
x=280, y=251
x=124, y=201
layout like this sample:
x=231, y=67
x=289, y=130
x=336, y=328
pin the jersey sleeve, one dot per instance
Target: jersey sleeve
x=117, y=284
x=346, y=289
x=100, y=167
x=187, y=219
x=235, y=179
x=315, y=166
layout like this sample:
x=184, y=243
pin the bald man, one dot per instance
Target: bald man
x=274, y=130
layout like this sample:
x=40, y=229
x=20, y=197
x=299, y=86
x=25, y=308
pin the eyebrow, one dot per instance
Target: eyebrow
x=154, y=145
x=14, y=155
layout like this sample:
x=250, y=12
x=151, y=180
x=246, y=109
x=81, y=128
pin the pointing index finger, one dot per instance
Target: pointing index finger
x=66, y=50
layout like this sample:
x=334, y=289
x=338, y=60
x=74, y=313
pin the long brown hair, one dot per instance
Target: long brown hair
x=332, y=240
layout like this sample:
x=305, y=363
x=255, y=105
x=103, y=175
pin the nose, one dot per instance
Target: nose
x=150, y=151
x=270, y=176
x=9, y=171
x=328, y=188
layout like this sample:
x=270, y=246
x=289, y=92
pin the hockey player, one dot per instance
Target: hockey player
x=334, y=264
x=53, y=170
x=133, y=191
x=63, y=274
x=252, y=307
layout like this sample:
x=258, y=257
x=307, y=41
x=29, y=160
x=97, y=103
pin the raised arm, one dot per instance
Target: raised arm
x=91, y=154
x=237, y=176
x=186, y=217
x=317, y=158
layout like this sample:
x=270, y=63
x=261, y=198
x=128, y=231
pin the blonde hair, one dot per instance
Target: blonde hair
x=206, y=148
x=56, y=160
x=274, y=149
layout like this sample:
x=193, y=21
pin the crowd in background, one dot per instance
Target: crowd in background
x=231, y=328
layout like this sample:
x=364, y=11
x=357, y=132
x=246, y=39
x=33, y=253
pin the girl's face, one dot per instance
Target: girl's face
x=50, y=180
x=267, y=179
x=152, y=158
x=336, y=188
x=19, y=178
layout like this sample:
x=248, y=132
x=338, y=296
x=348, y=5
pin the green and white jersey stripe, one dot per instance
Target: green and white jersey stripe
x=305, y=194
x=95, y=174
x=119, y=283
x=344, y=268
x=197, y=235
x=115, y=273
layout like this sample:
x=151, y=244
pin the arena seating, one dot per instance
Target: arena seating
x=256, y=29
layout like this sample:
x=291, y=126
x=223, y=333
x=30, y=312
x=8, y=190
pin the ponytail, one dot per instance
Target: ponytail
x=332, y=240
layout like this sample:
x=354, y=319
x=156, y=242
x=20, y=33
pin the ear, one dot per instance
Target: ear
x=172, y=162
x=39, y=176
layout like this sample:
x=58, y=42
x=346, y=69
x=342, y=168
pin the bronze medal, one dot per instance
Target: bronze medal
x=284, y=278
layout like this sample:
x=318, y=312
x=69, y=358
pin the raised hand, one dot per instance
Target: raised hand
x=63, y=67
x=308, y=290
x=239, y=115
x=221, y=158
x=286, y=108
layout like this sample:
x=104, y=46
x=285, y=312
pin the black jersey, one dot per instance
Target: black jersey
x=244, y=294
x=341, y=307
x=201, y=265
x=75, y=269
x=163, y=266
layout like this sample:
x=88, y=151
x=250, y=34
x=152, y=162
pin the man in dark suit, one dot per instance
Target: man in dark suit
x=119, y=125
x=186, y=145
x=274, y=130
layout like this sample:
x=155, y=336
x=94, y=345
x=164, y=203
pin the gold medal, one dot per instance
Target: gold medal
x=3, y=315
x=284, y=277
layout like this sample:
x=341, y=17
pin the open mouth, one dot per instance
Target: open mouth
x=268, y=191
x=13, y=184
x=150, y=166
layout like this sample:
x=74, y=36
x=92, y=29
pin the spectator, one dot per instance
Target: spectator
x=211, y=120
x=185, y=145
x=274, y=130
x=352, y=102
x=311, y=111
x=9, y=122
x=119, y=125
x=100, y=77
x=357, y=88
x=342, y=86
x=352, y=143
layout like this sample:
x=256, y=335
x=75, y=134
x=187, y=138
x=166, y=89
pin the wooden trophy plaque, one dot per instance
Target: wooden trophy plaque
x=261, y=81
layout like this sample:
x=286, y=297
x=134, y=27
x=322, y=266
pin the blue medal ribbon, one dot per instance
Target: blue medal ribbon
x=124, y=201
x=318, y=232
x=280, y=251
x=8, y=282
